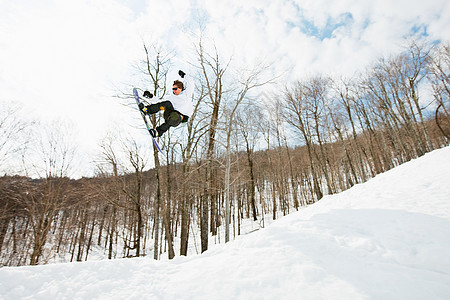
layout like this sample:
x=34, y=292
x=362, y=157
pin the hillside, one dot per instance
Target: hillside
x=388, y=238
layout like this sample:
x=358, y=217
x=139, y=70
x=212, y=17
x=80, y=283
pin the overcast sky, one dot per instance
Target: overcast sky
x=63, y=59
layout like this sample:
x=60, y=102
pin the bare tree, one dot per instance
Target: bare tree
x=156, y=67
x=418, y=57
x=248, y=119
x=112, y=191
x=14, y=137
x=195, y=131
x=134, y=190
x=250, y=81
x=45, y=200
x=212, y=70
x=439, y=75
x=298, y=114
x=344, y=98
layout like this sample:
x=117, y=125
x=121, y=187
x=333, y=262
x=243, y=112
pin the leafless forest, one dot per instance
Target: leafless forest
x=247, y=155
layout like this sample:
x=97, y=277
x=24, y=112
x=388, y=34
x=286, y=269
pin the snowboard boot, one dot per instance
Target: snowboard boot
x=154, y=133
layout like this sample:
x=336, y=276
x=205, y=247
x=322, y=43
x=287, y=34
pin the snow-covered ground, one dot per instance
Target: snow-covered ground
x=386, y=239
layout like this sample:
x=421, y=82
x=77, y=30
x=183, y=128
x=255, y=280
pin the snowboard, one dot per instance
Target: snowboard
x=136, y=97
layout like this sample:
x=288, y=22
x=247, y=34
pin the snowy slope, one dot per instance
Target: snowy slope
x=386, y=239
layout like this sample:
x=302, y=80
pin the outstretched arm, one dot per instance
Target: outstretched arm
x=188, y=83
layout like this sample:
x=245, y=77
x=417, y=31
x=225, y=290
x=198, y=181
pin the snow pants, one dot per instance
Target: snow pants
x=172, y=118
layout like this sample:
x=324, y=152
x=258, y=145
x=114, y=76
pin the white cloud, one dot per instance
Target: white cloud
x=62, y=59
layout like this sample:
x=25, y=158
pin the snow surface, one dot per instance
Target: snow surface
x=388, y=238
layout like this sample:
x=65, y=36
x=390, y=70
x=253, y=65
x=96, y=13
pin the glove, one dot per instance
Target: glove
x=147, y=94
x=181, y=73
x=142, y=107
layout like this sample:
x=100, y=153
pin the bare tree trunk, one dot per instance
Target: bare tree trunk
x=156, y=68
x=213, y=90
x=185, y=212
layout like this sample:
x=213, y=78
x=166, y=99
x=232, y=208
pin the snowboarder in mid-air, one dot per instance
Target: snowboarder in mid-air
x=177, y=105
